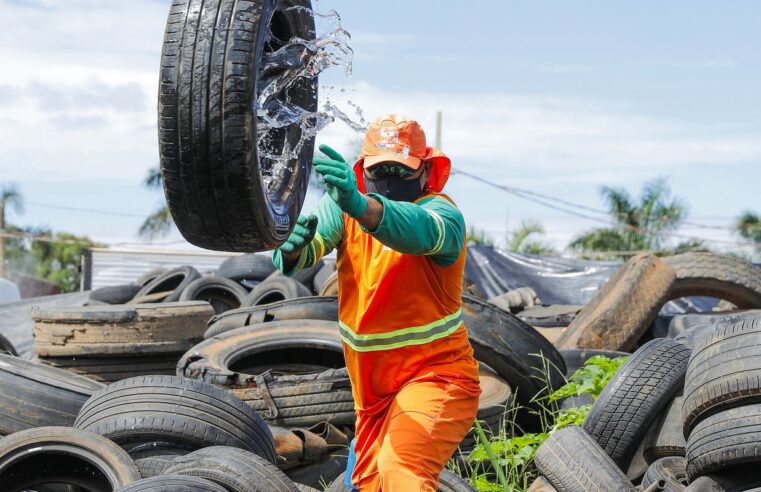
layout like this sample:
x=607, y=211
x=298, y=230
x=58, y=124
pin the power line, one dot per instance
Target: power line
x=515, y=190
x=86, y=210
x=547, y=201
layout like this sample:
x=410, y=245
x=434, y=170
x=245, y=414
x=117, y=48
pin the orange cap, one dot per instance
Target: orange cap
x=386, y=140
x=394, y=138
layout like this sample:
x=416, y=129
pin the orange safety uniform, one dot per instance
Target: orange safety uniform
x=413, y=375
x=414, y=379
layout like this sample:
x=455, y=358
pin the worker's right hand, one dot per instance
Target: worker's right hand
x=301, y=236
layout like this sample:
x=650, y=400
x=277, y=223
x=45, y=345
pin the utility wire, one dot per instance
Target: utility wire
x=86, y=210
x=513, y=189
x=547, y=201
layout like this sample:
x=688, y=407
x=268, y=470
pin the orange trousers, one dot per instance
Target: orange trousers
x=405, y=448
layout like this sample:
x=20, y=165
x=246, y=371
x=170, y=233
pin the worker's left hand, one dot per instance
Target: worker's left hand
x=340, y=182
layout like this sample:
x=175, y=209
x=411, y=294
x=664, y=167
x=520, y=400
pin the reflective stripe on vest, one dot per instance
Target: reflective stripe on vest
x=417, y=335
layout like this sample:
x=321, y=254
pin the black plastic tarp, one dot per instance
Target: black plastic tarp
x=556, y=280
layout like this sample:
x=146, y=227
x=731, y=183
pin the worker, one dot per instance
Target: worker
x=400, y=260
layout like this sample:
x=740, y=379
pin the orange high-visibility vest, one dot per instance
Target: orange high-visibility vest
x=400, y=318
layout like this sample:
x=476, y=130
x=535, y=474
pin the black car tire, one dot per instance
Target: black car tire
x=213, y=68
x=635, y=396
x=573, y=462
x=34, y=395
x=192, y=414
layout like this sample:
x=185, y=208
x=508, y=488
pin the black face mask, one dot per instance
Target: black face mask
x=395, y=188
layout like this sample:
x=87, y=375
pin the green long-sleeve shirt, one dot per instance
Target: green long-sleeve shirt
x=432, y=227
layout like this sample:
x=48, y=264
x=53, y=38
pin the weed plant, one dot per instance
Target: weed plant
x=502, y=459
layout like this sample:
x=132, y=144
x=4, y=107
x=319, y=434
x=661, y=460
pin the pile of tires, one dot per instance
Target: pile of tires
x=183, y=283
x=631, y=435
x=620, y=315
x=145, y=433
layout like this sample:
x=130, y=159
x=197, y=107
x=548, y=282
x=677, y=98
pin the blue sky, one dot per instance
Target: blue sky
x=555, y=97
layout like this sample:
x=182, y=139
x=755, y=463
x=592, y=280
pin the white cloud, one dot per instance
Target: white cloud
x=570, y=138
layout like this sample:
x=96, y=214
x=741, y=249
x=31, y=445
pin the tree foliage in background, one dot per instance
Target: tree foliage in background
x=56, y=259
x=640, y=224
x=748, y=226
x=519, y=240
x=160, y=222
x=478, y=237
x=59, y=261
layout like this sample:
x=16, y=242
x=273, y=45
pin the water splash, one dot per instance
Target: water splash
x=293, y=65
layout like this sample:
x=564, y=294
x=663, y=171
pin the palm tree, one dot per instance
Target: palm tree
x=10, y=199
x=639, y=225
x=518, y=240
x=160, y=222
x=748, y=226
x=477, y=237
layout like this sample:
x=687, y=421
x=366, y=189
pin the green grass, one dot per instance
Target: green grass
x=503, y=460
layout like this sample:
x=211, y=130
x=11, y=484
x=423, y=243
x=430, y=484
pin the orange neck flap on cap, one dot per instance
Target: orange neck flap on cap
x=437, y=178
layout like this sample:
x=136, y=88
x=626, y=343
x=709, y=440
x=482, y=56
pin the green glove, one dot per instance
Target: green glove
x=340, y=182
x=301, y=236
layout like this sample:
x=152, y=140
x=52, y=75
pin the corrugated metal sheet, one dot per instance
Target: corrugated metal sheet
x=123, y=266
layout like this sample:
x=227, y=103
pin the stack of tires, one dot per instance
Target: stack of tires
x=109, y=343
x=672, y=418
x=721, y=414
x=183, y=283
x=629, y=435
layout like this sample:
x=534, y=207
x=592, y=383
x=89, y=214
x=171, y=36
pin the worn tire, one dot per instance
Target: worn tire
x=233, y=358
x=277, y=288
x=314, y=307
x=191, y=414
x=126, y=330
x=34, y=395
x=448, y=482
x=212, y=72
x=173, y=483
x=111, y=369
x=623, y=309
x=306, y=383
x=723, y=440
x=234, y=469
x=6, y=347
x=665, y=438
x=511, y=347
x=149, y=276
x=67, y=456
x=639, y=391
x=330, y=286
x=221, y=293
x=724, y=372
x=247, y=267
x=328, y=267
x=671, y=470
x=573, y=462
x=739, y=479
x=116, y=294
x=173, y=281
x=554, y=316
x=575, y=358
x=541, y=485
x=154, y=466
x=307, y=275
x=712, y=275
